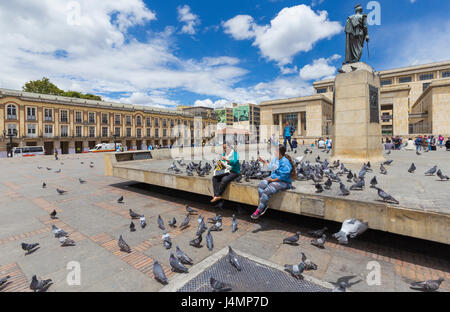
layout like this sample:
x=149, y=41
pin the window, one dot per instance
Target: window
x=48, y=114
x=128, y=132
x=78, y=117
x=104, y=132
x=128, y=120
x=117, y=131
x=446, y=74
x=426, y=76
x=138, y=121
x=48, y=130
x=156, y=122
x=78, y=131
x=91, y=131
x=164, y=123
x=386, y=82
x=156, y=133
x=172, y=123
x=64, y=116
x=149, y=132
x=31, y=130
x=11, y=111
x=91, y=118
x=321, y=90
x=179, y=121
x=405, y=79
x=139, y=132
x=426, y=85
x=105, y=119
x=148, y=122
x=12, y=129
x=164, y=133
x=185, y=123
x=117, y=119
x=64, y=131
x=31, y=113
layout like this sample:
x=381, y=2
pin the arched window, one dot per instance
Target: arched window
x=11, y=111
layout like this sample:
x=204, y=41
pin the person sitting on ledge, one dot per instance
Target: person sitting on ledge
x=220, y=182
x=280, y=180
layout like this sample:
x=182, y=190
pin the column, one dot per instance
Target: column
x=299, y=125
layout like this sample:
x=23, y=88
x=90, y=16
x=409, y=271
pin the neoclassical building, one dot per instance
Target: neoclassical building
x=73, y=125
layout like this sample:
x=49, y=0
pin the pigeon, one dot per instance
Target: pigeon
x=215, y=219
x=44, y=185
x=383, y=169
x=418, y=154
x=318, y=233
x=158, y=273
x=201, y=228
x=161, y=223
x=373, y=182
x=49, y=168
x=66, y=242
x=81, y=181
x=349, y=176
x=431, y=285
x=39, y=285
x=132, y=227
x=389, y=153
x=340, y=288
x=58, y=232
x=292, y=240
x=328, y=184
x=344, y=190
x=218, y=226
x=388, y=162
x=53, y=214
x=58, y=171
x=166, y=240
x=120, y=200
x=143, y=222
x=39, y=167
x=412, y=168
x=176, y=265
x=232, y=257
x=173, y=222
x=196, y=242
x=319, y=242
x=352, y=228
x=134, y=215
x=234, y=224
x=4, y=280
x=319, y=188
x=218, y=286
x=91, y=165
x=431, y=172
x=309, y=265
x=358, y=186
x=190, y=210
x=295, y=270
x=442, y=176
x=209, y=240
x=123, y=246
x=29, y=247
x=60, y=192
x=185, y=223
x=184, y=258
x=386, y=197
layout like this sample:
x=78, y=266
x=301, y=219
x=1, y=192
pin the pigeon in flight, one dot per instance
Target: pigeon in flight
x=120, y=200
x=176, y=265
x=319, y=242
x=412, y=168
x=161, y=223
x=318, y=233
x=340, y=288
x=218, y=286
x=60, y=192
x=295, y=270
x=81, y=181
x=132, y=227
x=428, y=286
x=123, y=246
x=383, y=170
x=166, y=240
x=292, y=240
x=442, y=176
x=352, y=228
x=344, y=190
x=173, y=222
x=386, y=197
x=197, y=241
x=158, y=273
x=232, y=257
x=432, y=171
x=134, y=215
x=184, y=258
x=143, y=222
x=190, y=210
x=29, y=247
x=309, y=265
x=58, y=232
x=39, y=285
x=209, y=240
x=185, y=223
x=234, y=224
x=44, y=185
x=373, y=182
x=66, y=242
x=53, y=215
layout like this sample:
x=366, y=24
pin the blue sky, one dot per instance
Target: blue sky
x=168, y=53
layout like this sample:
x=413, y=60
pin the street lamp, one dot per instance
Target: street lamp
x=10, y=135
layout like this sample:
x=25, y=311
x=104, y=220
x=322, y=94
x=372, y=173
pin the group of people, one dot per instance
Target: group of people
x=420, y=143
x=282, y=168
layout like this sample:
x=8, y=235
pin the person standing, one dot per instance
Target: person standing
x=231, y=162
x=56, y=154
x=288, y=131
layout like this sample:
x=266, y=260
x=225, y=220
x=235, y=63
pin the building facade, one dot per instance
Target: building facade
x=72, y=125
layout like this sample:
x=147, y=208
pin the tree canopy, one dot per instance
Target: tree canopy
x=44, y=86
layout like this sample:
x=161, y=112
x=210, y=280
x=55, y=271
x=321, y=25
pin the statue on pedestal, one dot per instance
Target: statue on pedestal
x=356, y=31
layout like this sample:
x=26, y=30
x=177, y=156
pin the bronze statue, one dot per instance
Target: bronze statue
x=356, y=32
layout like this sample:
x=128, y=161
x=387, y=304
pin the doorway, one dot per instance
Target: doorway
x=49, y=148
x=78, y=147
x=64, y=147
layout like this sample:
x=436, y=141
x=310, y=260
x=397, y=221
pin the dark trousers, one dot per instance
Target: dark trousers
x=220, y=183
x=286, y=140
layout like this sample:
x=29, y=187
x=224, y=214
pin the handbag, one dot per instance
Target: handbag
x=221, y=169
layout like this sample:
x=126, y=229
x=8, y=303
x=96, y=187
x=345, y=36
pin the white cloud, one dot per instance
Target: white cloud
x=189, y=19
x=319, y=68
x=209, y=103
x=295, y=29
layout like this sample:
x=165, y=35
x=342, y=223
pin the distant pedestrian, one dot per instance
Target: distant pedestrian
x=56, y=154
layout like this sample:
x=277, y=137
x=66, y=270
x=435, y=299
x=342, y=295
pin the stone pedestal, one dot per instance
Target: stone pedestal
x=356, y=115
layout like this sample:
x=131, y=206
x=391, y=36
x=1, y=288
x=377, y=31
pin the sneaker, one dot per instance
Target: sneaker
x=258, y=213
